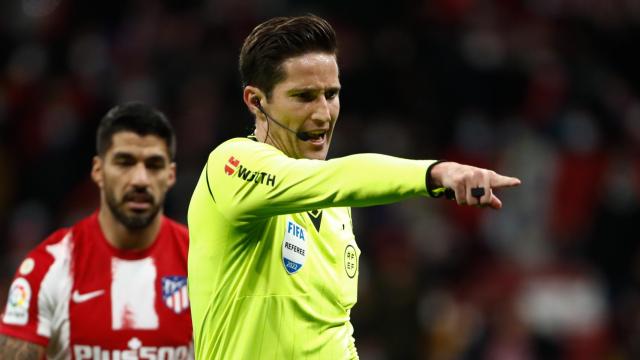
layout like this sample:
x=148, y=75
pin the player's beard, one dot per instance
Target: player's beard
x=133, y=220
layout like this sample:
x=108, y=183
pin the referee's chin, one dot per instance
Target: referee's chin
x=316, y=155
x=315, y=151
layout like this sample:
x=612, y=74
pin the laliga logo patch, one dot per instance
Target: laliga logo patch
x=17, y=310
x=230, y=167
x=294, y=247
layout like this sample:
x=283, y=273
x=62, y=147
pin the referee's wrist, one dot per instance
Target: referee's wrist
x=434, y=187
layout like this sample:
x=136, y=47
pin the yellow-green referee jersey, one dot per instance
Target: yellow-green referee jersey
x=273, y=262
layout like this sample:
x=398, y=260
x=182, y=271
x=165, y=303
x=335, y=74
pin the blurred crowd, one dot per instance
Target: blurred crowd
x=543, y=90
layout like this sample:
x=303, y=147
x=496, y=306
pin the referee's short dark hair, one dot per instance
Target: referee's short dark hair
x=136, y=117
x=278, y=39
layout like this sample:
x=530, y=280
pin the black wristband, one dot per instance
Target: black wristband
x=429, y=181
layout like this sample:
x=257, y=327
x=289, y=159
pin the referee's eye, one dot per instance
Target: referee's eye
x=331, y=94
x=305, y=96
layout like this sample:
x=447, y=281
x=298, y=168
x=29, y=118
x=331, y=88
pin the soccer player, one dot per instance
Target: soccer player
x=273, y=262
x=113, y=285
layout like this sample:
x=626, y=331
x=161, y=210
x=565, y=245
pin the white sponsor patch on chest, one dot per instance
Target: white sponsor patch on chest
x=294, y=247
x=133, y=294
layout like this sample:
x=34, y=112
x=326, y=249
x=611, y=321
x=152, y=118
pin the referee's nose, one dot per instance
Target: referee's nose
x=322, y=111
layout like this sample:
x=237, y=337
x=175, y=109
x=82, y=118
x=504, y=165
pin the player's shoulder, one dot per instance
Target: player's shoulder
x=178, y=230
x=37, y=263
x=174, y=236
x=83, y=231
x=40, y=251
x=65, y=238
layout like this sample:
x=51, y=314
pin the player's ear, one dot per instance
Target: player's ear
x=171, y=179
x=96, y=170
x=252, y=97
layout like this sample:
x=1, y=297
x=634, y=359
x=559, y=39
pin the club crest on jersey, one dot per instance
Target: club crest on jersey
x=294, y=247
x=174, y=293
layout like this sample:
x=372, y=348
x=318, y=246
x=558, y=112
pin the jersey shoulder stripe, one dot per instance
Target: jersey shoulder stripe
x=206, y=169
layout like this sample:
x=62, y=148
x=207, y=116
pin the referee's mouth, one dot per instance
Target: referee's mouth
x=317, y=137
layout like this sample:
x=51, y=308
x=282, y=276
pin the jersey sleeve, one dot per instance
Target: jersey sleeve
x=29, y=310
x=249, y=180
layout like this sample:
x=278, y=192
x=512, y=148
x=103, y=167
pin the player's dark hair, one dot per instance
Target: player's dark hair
x=278, y=39
x=136, y=117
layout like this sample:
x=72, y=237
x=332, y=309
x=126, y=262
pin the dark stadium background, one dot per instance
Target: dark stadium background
x=545, y=90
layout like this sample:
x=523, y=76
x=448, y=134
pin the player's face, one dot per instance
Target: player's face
x=134, y=175
x=307, y=100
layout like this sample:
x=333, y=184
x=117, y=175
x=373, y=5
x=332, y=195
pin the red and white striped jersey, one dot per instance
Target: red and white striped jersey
x=82, y=298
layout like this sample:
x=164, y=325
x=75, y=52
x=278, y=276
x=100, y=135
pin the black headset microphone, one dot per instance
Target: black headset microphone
x=303, y=136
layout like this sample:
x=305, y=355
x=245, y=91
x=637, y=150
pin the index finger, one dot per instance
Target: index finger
x=499, y=181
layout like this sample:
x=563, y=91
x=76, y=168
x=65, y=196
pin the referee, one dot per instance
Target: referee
x=273, y=262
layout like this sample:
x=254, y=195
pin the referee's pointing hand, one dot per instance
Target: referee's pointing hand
x=472, y=185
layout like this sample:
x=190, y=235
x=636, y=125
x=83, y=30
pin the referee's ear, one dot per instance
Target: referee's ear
x=252, y=97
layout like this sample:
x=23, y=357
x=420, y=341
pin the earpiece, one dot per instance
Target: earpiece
x=299, y=134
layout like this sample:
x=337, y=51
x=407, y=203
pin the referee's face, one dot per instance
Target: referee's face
x=306, y=101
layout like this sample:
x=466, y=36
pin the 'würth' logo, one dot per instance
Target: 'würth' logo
x=230, y=167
